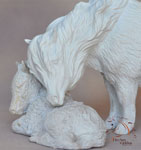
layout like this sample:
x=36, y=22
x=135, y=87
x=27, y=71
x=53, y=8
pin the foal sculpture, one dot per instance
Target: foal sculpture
x=72, y=126
x=103, y=34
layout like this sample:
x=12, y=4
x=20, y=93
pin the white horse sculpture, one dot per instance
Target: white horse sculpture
x=103, y=34
x=72, y=126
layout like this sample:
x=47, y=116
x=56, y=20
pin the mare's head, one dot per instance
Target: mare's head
x=58, y=57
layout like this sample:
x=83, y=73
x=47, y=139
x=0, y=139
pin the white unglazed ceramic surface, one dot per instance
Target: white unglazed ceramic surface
x=103, y=34
x=71, y=126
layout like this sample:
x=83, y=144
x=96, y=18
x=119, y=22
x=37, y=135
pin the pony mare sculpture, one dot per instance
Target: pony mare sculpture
x=102, y=34
x=72, y=126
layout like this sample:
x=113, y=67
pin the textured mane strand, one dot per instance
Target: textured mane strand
x=70, y=38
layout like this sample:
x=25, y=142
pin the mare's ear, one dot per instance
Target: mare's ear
x=28, y=41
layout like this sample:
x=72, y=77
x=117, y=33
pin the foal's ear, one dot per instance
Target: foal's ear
x=17, y=63
x=18, y=66
x=22, y=67
x=27, y=41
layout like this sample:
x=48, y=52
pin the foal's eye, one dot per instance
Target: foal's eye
x=21, y=85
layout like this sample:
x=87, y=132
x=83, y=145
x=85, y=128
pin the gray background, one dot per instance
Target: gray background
x=20, y=19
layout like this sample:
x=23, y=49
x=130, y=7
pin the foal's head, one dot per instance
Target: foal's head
x=25, y=87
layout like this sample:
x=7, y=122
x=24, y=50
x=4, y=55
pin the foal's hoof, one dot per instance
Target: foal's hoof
x=17, y=127
x=33, y=139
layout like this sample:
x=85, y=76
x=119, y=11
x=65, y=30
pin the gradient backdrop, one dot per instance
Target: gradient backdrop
x=20, y=19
